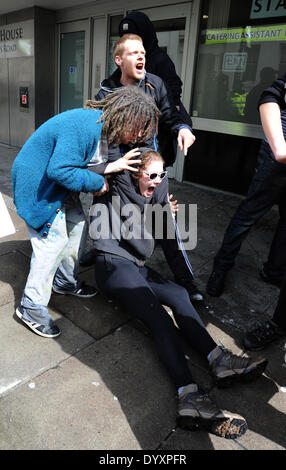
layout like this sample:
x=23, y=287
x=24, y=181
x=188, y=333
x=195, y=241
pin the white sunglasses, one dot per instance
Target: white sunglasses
x=153, y=176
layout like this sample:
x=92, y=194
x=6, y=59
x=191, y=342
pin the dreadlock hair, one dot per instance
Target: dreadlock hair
x=127, y=111
x=147, y=156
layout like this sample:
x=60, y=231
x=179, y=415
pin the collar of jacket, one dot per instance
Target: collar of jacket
x=113, y=83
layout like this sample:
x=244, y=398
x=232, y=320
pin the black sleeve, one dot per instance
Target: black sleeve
x=99, y=169
x=275, y=93
x=169, y=118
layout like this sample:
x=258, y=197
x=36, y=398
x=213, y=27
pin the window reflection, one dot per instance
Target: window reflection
x=241, y=52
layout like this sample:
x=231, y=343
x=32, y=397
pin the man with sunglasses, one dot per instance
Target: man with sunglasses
x=129, y=56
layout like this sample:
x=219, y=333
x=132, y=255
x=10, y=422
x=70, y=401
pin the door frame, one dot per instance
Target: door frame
x=75, y=26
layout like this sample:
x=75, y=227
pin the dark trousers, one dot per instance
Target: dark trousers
x=267, y=188
x=279, y=316
x=141, y=292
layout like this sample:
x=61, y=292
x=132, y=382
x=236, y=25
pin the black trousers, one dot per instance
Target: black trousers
x=267, y=188
x=141, y=291
x=279, y=316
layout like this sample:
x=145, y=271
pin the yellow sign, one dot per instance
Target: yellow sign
x=247, y=34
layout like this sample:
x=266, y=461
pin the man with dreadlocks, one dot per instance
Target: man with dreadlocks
x=129, y=55
x=50, y=171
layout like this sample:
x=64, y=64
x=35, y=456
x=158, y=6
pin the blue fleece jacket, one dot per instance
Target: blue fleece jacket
x=54, y=161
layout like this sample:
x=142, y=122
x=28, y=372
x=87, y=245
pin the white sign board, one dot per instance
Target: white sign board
x=17, y=40
x=234, y=62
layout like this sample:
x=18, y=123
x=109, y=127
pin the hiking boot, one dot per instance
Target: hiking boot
x=197, y=411
x=270, y=280
x=47, y=331
x=227, y=368
x=215, y=285
x=88, y=259
x=262, y=335
x=83, y=291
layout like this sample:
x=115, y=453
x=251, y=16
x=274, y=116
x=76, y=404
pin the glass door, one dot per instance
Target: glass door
x=73, y=65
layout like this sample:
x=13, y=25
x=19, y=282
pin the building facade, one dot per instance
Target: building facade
x=225, y=51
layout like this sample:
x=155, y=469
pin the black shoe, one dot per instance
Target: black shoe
x=261, y=336
x=270, y=280
x=193, y=291
x=215, y=285
x=83, y=291
x=88, y=259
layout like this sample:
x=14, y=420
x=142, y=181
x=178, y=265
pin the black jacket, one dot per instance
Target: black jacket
x=169, y=122
x=109, y=222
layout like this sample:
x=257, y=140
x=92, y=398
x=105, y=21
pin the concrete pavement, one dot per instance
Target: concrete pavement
x=100, y=385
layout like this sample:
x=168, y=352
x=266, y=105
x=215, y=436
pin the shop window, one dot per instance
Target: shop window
x=241, y=51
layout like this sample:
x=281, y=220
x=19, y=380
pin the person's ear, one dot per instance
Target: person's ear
x=118, y=60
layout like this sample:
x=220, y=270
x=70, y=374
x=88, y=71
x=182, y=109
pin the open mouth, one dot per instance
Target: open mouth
x=139, y=67
x=150, y=191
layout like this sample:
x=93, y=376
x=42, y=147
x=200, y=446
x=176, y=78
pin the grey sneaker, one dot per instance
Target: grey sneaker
x=228, y=368
x=197, y=411
x=83, y=291
x=51, y=331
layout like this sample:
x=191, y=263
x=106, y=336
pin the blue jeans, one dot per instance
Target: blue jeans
x=268, y=187
x=54, y=260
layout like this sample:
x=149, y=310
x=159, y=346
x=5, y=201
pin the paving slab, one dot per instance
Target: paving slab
x=13, y=275
x=24, y=355
x=245, y=300
x=264, y=409
x=260, y=402
x=98, y=315
x=205, y=198
x=100, y=398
